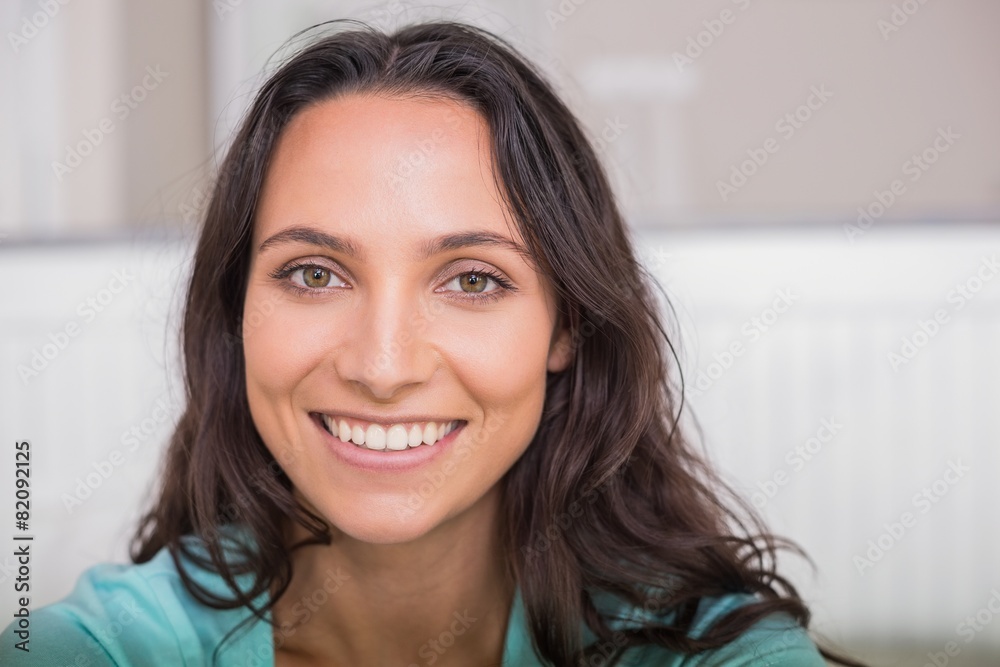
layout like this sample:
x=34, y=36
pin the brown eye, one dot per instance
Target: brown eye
x=315, y=276
x=474, y=286
x=475, y=281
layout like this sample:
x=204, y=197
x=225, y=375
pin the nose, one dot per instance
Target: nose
x=387, y=349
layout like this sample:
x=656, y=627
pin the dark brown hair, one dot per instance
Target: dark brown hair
x=610, y=497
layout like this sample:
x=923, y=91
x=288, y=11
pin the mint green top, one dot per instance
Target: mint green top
x=142, y=615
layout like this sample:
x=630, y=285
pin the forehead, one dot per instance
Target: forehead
x=399, y=168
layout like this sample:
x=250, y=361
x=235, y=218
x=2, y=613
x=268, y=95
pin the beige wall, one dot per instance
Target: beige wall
x=66, y=82
x=889, y=97
x=671, y=133
x=168, y=142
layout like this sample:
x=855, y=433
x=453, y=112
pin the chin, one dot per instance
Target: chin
x=389, y=523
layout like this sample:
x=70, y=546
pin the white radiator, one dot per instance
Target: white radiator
x=836, y=440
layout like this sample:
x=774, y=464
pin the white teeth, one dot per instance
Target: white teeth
x=397, y=438
x=375, y=437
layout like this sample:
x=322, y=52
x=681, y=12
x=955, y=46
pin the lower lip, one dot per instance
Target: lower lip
x=387, y=460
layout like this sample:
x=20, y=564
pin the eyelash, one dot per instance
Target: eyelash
x=282, y=274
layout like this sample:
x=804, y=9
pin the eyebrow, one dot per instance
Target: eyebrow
x=312, y=236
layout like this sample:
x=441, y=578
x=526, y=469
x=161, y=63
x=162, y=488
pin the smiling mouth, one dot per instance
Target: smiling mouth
x=387, y=437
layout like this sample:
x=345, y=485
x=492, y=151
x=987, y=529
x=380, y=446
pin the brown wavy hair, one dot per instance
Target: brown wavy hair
x=610, y=497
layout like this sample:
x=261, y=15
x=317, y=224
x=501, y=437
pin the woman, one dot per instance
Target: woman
x=429, y=419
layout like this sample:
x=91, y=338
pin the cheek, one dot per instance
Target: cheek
x=280, y=346
x=278, y=353
x=501, y=363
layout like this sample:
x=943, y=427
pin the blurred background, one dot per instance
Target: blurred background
x=814, y=183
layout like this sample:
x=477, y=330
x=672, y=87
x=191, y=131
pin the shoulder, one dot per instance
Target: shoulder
x=774, y=641
x=135, y=614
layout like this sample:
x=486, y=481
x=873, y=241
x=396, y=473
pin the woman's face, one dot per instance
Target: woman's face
x=387, y=297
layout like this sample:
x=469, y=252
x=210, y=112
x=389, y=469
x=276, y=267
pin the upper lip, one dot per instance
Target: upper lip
x=386, y=419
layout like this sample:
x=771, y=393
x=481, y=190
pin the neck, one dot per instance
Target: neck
x=445, y=595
